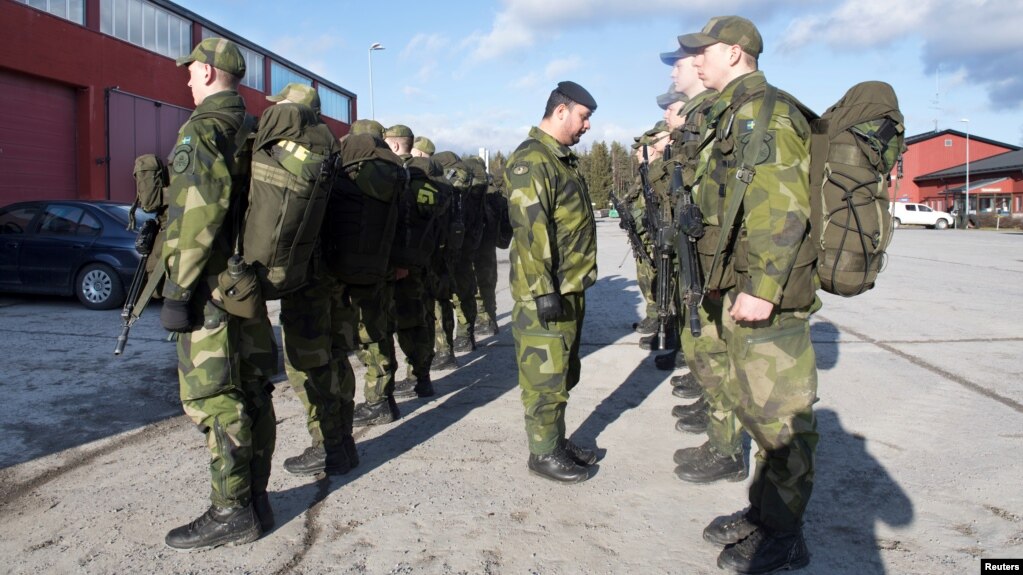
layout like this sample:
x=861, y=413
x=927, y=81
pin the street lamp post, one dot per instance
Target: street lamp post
x=966, y=219
x=372, y=109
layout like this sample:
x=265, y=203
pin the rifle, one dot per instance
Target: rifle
x=629, y=225
x=662, y=233
x=690, y=223
x=144, y=246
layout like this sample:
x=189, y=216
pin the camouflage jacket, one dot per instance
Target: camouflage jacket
x=554, y=244
x=197, y=241
x=773, y=222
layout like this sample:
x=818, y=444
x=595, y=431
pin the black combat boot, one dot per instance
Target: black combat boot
x=405, y=389
x=645, y=325
x=424, y=387
x=700, y=405
x=464, y=344
x=765, y=552
x=693, y=422
x=729, y=529
x=685, y=386
x=704, y=464
x=264, y=513
x=557, y=466
x=670, y=361
x=580, y=455
x=444, y=360
x=348, y=445
x=218, y=526
x=379, y=413
x=485, y=326
x=319, y=459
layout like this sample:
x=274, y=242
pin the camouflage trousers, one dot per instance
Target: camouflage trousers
x=485, y=267
x=646, y=277
x=707, y=358
x=772, y=386
x=549, y=367
x=444, y=326
x=315, y=360
x=413, y=323
x=375, y=352
x=224, y=371
x=464, y=298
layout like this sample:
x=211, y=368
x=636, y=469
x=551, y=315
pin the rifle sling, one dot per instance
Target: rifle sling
x=745, y=174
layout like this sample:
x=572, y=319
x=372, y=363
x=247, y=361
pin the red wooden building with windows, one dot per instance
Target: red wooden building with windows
x=88, y=85
x=933, y=152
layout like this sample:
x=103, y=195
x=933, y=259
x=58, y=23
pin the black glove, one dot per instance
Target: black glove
x=175, y=316
x=548, y=308
x=690, y=221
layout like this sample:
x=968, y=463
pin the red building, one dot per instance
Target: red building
x=86, y=86
x=996, y=185
x=936, y=151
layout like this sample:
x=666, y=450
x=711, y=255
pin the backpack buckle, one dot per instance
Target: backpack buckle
x=745, y=175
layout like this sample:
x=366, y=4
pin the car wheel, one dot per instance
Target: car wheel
x=98, y=287
x=941, y=224
x=896, y=223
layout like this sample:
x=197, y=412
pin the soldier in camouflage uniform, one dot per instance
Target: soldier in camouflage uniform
x=553, y=260
x=224, y=362
x=767, y=290
x=721, y=457
x=465, y=274
x=459, y=179
x=409, y=303
x=318, y=368
x=371, y=309
x=484, y=259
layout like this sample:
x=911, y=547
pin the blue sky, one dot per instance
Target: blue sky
x=472, y=74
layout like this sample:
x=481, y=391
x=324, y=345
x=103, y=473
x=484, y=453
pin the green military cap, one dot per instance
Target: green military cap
x=424, y=145
x=398, y=131
x=731, y=30
x=217, y=52
x=670, y=97
x=298, y=94
x=371, y=127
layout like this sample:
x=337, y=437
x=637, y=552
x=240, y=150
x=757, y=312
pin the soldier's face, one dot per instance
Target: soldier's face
x=198, y=81
x=575, y=123
x=671, y=116
x=684, y=76
x=713, y=65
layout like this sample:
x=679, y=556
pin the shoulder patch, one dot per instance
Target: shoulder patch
x=186, y=140
x=766, y=150
x=520, y=169
x=182, y=158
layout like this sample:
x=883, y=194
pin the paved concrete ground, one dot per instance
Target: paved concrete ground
x=919, y=467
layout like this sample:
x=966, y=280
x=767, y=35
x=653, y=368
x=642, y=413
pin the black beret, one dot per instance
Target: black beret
x=577, y=94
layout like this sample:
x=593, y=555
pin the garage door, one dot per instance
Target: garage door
x=37, y=139
x=138, y=126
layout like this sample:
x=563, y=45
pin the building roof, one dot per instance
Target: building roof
x=1002, y=164
x=910, y=140
x=974, y=185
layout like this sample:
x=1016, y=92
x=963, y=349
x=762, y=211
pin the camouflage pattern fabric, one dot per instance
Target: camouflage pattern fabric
x=484, y=265
x=444, y=326
x=646, y=276
x=553, y=251
x=317, y=367
x=464, y=299
x=707, y=358
x=377, y=353
x=225, y=364
x=549, y=367
x=413, y=325
x=772, y=374
x=554, y=247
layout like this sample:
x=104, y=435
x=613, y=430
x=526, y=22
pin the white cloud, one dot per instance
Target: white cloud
x=308, y=52
x=556, y=69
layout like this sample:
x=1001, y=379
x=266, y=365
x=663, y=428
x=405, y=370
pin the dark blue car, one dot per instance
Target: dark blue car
x=66, y=247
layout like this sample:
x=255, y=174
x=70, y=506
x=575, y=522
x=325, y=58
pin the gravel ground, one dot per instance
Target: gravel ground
x=921, y=420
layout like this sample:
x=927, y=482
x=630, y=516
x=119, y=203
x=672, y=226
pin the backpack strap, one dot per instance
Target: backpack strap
x=747, y=170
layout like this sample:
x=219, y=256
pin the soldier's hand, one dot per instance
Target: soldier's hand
x=175, y=316
x=548, y=308
x=690, y=221
x=748, y=308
